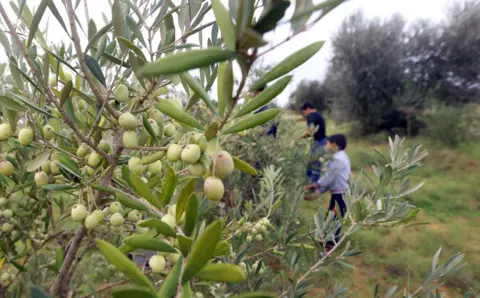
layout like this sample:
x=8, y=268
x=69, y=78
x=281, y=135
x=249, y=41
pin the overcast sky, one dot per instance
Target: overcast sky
x=315, y=67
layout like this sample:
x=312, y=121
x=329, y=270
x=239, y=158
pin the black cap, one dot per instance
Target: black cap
x=338, y=139
x=307, y=105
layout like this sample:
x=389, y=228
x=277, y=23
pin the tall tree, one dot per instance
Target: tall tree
x=365, y=73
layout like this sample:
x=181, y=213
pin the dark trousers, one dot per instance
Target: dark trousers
x=314, y=167
x=335, y=199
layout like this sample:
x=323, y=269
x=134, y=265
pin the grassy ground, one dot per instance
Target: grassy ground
x=450, y=203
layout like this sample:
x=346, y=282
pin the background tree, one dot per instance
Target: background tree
x=314, y=91
x=365, y=73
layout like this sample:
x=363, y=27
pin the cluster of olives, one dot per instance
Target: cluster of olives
x=7, y=277
x=158, y=262
x=6, y=215
x=25, y=137
x=255, y=230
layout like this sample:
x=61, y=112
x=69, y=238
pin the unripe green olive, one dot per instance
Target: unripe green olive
x=121, y=93
x=81, y=104
x=198, y=169
x=223, y=165
x=195, y=138
x=99, y=215
x=169, y=220
x=157, y=263
x=173, y=212
x=115, y=207
x=79, y=211
x=139, y=229
x=91, y=221
x=128, y=121
x=155, y=168
x=94, y=159
x=172, y=258
x=213, y=188
x=25, y=136
x=258, y=237
x=3, y=201
x=105, y=146
x=46, y=167
x=90, y=171
x=7, y=213
x=7, y=227
x=130, y=139
x=191, y=154
x=174, y=152
x=48, y=132
x=203, y=144
x=54, y=167
x=116, y=220
x=5, y=131
x=41, y=178
x=249, y=238
x=156, y=115
x=169, y=130
x=243, y=133
x=134, y=167
x=134, y=216
x=83, y=150
x=6, y=168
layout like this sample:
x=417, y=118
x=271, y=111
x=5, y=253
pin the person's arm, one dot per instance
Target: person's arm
x=334, y=167
x=307, y=134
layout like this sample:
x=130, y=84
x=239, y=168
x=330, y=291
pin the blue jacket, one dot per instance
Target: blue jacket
x=273, y=129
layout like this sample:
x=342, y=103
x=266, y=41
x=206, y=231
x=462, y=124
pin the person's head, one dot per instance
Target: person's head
x=307, y=108
x=336, y=143
x=260, y=90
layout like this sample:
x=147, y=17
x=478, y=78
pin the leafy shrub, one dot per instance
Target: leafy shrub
x=452, y=126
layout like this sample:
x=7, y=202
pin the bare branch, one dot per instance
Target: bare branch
x=98, y=90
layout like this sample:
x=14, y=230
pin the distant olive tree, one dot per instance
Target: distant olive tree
x=365, y=74
x=314, y=91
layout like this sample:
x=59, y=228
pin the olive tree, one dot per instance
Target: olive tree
x=98, y=157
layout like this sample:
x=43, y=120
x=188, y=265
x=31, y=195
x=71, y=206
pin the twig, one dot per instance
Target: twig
x=108, y=286
x=96, y=89
x=79, y=258
x=328, y=254
x=52, y=220
x=150, y=148
x=142, y=201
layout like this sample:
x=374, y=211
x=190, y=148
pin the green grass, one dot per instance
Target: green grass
x=450, y=203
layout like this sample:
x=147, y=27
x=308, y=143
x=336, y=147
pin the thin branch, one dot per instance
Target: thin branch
x=328, y=254
x=108, y=286
x=142, y=201
x=87, y=17
x=98, y=90
x=150, y=148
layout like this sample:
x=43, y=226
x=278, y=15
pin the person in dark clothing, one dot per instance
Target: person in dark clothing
x=272, y=131
x=317, y=130
x=335, y=180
